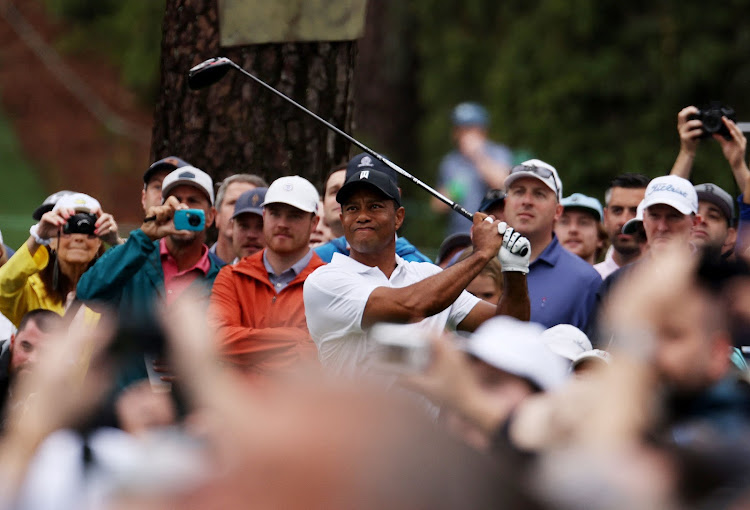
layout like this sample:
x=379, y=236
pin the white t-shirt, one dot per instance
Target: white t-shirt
x=335, y=297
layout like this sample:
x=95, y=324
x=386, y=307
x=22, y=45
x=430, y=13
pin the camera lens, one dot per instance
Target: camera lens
x=194, y=220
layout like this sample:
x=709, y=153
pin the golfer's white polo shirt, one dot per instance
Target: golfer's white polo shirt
x=335, y=297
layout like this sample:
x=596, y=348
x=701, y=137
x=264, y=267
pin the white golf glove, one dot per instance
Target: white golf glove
x=515, y=252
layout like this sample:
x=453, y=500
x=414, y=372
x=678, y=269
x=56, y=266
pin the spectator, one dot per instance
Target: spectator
x=733, y=148
x=451, y=247
x=476, y=165
x=44, y=272
x=493, y=204
x=344, y=298
x=621, y=202
x=158, y=262
x=256, y=305
x=562, y=287
x=247, y=224
x=322, y=233
x=404, y=248
x=153, y=178
x=488, y=284
x=566, y=341
x=18, y=354
x=6, y=327
x=716, y=226
x=331, y=209
x=226, y=197
x=578, y=227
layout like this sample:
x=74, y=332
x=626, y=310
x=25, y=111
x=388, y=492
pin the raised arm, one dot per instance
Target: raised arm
x=690, y=131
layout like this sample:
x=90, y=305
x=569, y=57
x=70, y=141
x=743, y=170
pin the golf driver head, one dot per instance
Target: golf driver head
x=208, y=72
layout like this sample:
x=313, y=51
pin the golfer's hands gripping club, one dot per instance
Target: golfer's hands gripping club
x=515, y=252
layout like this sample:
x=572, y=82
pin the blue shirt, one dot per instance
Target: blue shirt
x=461, y=180
x=280, y=281
x=562, y=287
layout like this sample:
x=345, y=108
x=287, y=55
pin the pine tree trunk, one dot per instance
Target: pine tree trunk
x=238, y=126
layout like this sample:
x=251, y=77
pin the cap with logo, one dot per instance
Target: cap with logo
x=188, y=176
x=492, y=198
x=79, y=202
x=516, y=347
x=536, y=169
x=673, y=191
x=364, y=170
x=295, y=191
x=711, y=193
x=249, y=202
x=169, y=163
x=581, y=201
x=470, y=114
x=631, y=226
x=49, y=203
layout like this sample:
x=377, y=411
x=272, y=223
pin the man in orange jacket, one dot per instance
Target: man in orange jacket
x=256, y=305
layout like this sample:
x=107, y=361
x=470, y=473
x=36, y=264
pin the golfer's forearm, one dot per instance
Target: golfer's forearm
x=515, y=299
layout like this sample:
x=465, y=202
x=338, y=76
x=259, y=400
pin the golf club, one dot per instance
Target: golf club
x=214, y=69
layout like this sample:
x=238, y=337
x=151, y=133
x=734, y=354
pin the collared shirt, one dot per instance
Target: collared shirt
x=176, y=281
x=562, y=287
x=282, y=280
x=335, y=298
x=608, y=265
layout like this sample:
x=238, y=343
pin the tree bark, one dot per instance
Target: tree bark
x=236, y=125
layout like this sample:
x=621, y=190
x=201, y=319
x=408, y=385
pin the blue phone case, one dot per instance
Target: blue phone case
x=189, y=219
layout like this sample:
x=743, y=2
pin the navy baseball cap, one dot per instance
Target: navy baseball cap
x=470, y=114
x=492, y=198
x=250, y=202
x=169, y=163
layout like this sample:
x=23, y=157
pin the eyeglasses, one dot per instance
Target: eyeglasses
x=540, y=171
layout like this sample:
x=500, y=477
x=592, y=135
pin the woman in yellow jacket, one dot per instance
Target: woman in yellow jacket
x=44, y=272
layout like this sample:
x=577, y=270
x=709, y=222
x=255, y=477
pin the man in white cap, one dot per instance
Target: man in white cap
x=562, y=286
x=579, y=226
x=256, y=305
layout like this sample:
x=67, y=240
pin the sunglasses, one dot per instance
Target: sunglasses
x=539, y=171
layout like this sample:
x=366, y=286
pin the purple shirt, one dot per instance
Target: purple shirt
x=562, y=288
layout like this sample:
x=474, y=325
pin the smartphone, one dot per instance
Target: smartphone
x=189, y=219
x=400, y=348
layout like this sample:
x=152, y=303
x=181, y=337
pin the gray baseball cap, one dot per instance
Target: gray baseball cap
x=717, y=196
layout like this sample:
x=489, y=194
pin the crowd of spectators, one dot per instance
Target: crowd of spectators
x=560, y=352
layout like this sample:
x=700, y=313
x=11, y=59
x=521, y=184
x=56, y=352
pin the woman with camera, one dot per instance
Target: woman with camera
x=44, y=272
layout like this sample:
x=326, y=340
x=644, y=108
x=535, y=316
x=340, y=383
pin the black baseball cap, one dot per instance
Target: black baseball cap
x=365, y=161
x=365, y=170
x=49, y=203
x=372, y=178
x=169, y=163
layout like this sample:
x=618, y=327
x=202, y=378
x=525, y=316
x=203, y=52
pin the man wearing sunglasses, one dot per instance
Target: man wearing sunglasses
x=562, y=286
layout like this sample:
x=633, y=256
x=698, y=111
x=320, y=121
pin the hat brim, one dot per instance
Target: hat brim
x=251, y=210
x=520, y=175
x=347, y=189
x=656, y=199
x=631, y=226
x=585, y=208
x=185, y=182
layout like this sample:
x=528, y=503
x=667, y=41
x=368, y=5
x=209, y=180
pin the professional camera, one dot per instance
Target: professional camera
x=711, y=118
x=81, y=223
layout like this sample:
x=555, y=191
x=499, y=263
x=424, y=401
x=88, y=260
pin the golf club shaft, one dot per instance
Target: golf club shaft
x=435, y=193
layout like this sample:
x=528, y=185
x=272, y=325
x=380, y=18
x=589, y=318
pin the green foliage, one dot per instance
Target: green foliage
x=129, y=33
x=21, y=187
x=592, y=87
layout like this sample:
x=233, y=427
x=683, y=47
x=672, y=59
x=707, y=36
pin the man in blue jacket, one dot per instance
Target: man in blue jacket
x=404, y=248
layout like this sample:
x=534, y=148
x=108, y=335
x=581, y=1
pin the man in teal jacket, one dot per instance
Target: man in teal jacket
x=158, y=262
